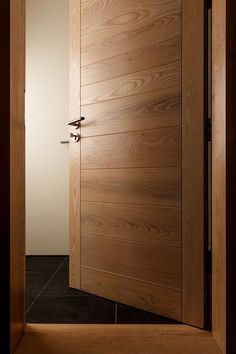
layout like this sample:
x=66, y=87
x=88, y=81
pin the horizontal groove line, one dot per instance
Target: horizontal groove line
x=132, y=95
x=159, y=92
x=132, y=241
x=130, y=204
x=171, y=39
x=132, y=278
x=132, y=73
x=131, y=131
x=138, y=204
x=127, y=168
x=132, y=168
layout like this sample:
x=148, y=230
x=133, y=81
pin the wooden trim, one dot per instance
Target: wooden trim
x=17, y=171
x=230, y=176
x=193, y=117
x=116, y=339
x=48, y=335
x=219, y=171
x=74, y=45
x=5, y=175
x=224, y=174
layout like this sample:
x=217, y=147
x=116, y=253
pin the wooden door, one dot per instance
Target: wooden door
x=126, y=170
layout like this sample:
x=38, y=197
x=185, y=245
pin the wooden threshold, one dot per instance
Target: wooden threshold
x=114, y=339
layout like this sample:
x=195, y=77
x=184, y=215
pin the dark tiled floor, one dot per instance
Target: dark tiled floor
x=50, y=300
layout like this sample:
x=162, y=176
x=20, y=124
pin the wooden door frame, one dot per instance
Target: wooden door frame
x=224, y=173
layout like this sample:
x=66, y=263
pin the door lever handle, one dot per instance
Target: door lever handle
x=75, y=137
x=76, y=123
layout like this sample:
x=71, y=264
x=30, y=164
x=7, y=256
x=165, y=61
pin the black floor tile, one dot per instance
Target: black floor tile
x=43, y=263
x=130, y=315
x=77, y=309
x=59, y=286
x=60, y=304
x=35, y=281
x=65, y=265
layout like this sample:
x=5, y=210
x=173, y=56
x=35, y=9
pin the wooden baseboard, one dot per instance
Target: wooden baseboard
x=114, y=339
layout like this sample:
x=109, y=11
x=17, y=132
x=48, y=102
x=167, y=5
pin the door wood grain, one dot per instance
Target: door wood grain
x=131, y=141
x=148, y=262
x=130, y=238
x=110, y=28
x=150, y=110
x=152, y=148
x=152, y=225
x=150, y=297
x=148, y=186
x=162, y=53
x=158, y=78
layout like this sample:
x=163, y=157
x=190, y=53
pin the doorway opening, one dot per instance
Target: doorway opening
x=49, y=299
x=130, y=190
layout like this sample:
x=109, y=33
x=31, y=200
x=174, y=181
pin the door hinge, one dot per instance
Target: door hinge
x=209, y=262
x=209, y=129
x=209, y=4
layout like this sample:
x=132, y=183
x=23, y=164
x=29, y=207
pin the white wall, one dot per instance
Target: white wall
x=47, y=91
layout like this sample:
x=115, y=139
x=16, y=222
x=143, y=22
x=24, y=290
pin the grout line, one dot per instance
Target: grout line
x=45, y=286
x=116, y=313
x=67, y=296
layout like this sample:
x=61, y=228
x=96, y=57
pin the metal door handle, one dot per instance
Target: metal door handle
x=75, y=137
x=76, y=123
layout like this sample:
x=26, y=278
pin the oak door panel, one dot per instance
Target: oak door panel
x=154, y=225
x=158, y=78
x=152, y=186
x=150, y=297
x=154, y=263
x=131, y=175
x=113, y=13
x=131, y=151
x=112, y=28
x=158, y=54
x=144, y=111
x=152, y=148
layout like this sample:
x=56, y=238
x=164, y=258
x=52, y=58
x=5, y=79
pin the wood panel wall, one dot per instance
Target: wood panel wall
x=17, y=170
